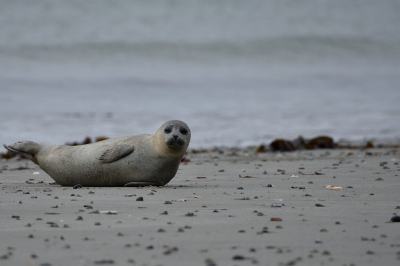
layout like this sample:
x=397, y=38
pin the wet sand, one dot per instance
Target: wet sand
x=216, y=211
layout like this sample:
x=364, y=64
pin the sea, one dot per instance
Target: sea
x=239, y=73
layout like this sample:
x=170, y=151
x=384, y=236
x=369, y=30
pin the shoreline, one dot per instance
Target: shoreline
x=222, y=203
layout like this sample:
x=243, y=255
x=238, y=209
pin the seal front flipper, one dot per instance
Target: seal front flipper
x=26, y=148
x=116, y=152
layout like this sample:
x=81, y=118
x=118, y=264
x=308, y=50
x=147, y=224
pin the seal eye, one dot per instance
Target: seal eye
x=168, y=130
x=183, y=131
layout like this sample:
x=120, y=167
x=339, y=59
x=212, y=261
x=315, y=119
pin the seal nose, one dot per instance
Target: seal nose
x=175, y=137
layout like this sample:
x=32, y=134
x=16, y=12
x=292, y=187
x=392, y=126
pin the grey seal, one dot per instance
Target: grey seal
x=140, y=160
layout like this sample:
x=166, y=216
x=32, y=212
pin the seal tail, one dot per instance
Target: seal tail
x=26, y=148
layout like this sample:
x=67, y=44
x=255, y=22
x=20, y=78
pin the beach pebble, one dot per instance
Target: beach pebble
x=169, y=251
x=77, y=186
x=395, y=219
x=238, y=257
x=139, y=199
x=15, y=217
x=276, y=219
x=181, y=200
x=325, y=253
x=210, y=262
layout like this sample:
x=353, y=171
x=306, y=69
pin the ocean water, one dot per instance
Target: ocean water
x=238, y=73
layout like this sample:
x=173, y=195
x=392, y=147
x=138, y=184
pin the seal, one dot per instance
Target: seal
x=140, y=160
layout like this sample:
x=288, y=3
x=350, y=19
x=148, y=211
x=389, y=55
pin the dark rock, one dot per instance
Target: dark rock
x=139, y=199
x=395, y=219
x=238, y=257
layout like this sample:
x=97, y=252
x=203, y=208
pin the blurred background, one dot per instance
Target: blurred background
x=238, y=73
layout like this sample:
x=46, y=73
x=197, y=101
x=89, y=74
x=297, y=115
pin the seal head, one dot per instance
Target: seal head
x=173, y=137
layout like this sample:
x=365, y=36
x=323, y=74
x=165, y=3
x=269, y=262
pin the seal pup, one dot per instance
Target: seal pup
x=141, y=160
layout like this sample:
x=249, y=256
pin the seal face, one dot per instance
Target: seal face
x=139, y=160
x=175, y=134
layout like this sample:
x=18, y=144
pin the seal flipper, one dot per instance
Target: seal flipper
x=26, y=148
x=116, y=152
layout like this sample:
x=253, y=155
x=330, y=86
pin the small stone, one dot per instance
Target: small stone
x=79, y=218
x=210, y=262
x=189, y=214
x=139, y=199
x=77, y=186
x=238, y=257
x=170, y=250
x=276, y=219
x=164, y=213
x=161, y=230
x=395, y=219
x=319, y=205
x=97, y=223
x=167, y=202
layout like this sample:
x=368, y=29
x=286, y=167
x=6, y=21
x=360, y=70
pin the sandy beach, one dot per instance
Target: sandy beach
x=218, y=210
